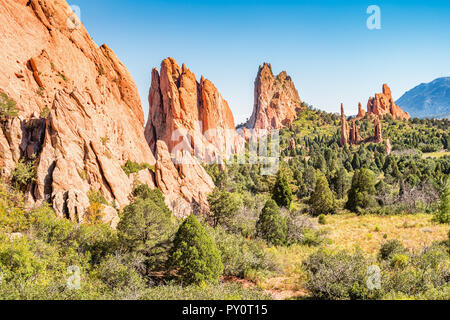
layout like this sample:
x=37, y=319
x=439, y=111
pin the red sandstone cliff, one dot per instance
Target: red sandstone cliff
x=80, y=116
x=189, y=122
x=183, y=109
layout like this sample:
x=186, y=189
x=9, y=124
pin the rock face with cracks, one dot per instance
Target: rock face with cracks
x=80, y=116
x=189, y=115
x=189, y=123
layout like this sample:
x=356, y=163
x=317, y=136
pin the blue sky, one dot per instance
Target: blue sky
x=325, y=46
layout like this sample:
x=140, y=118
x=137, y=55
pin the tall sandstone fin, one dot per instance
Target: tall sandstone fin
x=189, y=122
x=184, y=109
x=80, y=114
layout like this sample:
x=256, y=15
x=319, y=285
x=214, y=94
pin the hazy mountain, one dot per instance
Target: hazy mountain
x=428, y=100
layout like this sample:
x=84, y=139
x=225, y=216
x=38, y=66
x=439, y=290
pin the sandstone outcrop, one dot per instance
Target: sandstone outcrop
x=292, y=144
x=345, y=130
x=378, y=130
x=383, y=104
x=388, y=147
x=80, y=115
x=276, y=100
x=355, y=137
x=361, y=112
x=189, y=123
x=189, y=115
x=350, y=133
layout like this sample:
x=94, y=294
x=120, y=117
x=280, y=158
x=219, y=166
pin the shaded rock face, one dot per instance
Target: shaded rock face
x=185, y=186
x=383, y=104
x=378, y=130
x=276, y=100
x=189, y=115
x=355, y=137
x=80, y=113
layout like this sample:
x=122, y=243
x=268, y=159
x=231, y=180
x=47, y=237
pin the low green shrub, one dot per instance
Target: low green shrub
x=7, y=107
x=239, y=255
x=390, y=248
x=322, y=219
x=223, y=291
x=337, y=275
x=23, y=174
x=134, y=167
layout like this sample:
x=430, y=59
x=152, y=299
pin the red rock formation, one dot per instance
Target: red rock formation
x=276, y=100
x=361, y=112
x=383, y=104
x=80, y=112
x=350, y=134
x=189, y=122
x=184, y=184
x=345, y=130
x=378, y=130
x=189, y=114
x=355, y=137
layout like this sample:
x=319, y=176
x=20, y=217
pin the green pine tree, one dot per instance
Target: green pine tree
x=362, y=191
x=282, y=193
x=224, y=206
x=271, y=226
x=322, y=199
x=194, y=255
x=7, y=107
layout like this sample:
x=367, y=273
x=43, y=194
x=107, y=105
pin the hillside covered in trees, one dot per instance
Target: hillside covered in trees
x=278, y=234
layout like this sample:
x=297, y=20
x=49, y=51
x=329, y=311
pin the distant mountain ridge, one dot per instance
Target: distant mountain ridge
x=428, y=100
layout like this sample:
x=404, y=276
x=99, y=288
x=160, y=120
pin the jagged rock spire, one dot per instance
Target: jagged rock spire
x=276, y=100
x=345, y=130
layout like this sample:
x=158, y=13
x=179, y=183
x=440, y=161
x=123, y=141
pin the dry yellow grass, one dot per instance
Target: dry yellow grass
x=370, y=231
x=346, y=231
x=436, y=155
